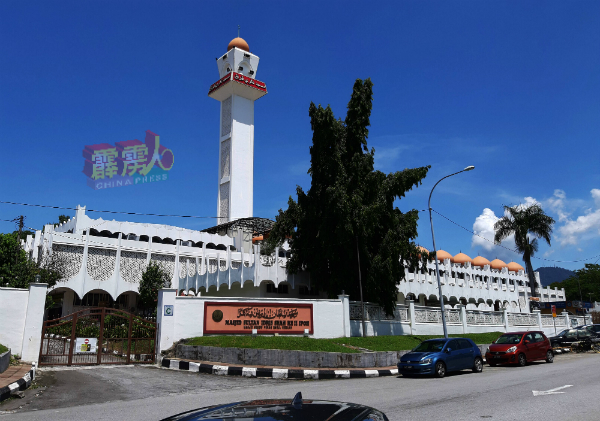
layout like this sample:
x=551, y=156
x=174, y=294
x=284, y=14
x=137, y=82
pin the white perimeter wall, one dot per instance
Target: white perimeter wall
x=21, y=319
x=330, y=317
x=13, y=309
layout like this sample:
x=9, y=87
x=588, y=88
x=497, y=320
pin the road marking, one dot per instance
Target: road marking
x=551, y=391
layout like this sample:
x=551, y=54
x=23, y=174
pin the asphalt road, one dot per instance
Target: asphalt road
x=146, y=393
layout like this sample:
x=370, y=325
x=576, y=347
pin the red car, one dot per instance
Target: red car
x=520, y=348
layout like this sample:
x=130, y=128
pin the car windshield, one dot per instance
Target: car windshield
x=562, y=333
x=429, y=346
x=509, y=339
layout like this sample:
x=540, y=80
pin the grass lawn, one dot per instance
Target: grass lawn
x=3, y=349
x=372, y=343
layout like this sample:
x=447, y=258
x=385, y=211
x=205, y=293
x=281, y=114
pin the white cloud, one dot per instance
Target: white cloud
x=557, y=204
x=587, y=226
x=484, y=227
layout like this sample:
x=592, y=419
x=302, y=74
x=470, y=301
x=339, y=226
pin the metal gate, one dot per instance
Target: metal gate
x=98, y=336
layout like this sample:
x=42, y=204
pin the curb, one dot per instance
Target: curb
x=275, y=373
x=20, y=385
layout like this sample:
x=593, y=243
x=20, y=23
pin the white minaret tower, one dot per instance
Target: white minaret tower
x=237, y=89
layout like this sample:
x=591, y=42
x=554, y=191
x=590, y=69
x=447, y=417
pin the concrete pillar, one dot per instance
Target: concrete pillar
x=34, y=319
x=345, y=299
x=505, y=318
x=566, y=314
x=463, y=317
x=538, y=313
x=166, y=323
x=67, y=306
x=411, y=314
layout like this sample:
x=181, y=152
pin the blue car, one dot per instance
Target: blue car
x=440, y=356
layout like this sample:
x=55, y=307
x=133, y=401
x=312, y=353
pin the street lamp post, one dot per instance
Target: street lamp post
x=437, y=267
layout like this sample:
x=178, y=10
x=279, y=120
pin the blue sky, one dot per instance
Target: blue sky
x=510, y=87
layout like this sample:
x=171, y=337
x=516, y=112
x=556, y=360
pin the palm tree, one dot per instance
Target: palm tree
x=527, y=223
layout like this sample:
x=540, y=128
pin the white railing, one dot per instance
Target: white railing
x=561, y=321
x=547, y=320
x=522, y=319
x=489, y=318
x=373, y=312
x=426, y=315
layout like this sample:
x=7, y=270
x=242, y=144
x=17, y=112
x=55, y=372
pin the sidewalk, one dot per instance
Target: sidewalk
x=15, y=377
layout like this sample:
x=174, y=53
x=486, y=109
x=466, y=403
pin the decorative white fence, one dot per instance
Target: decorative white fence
x=426, y=315
x=491, y=318
x=422, y=320
x=522, y=319
x=373, y=312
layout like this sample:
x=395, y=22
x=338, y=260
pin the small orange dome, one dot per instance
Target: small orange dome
x=462, y=258
x=515, y=267
x=421, y=248
x=238, y=43
x=497, y=264
x=441, y=255
x=480, y=261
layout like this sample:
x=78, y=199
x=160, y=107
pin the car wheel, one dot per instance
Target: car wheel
x=522, y=360
x=440, y=369
x=478, y=365
x=492, y=364
x=549, y=357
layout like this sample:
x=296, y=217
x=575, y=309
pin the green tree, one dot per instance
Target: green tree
x=585, y=282
x=349, y=210
x=153, y=279
x=18, y=271
x=527, y=223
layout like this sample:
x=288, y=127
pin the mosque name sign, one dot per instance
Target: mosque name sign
x=266, y=318
x=127, y=163
x=240, y=78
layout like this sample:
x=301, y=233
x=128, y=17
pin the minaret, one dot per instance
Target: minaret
x=237, y=89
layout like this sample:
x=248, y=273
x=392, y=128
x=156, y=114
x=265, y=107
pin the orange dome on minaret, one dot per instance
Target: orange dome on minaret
x=238, y=43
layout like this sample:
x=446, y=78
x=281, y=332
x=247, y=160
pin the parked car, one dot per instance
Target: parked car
x=440, y=356
x=569, y=336
x=519, y=348
x=283, y=410
x=592, y=328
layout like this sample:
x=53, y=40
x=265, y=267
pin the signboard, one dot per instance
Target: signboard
x=240, y=78
x=168, y=310
x=557, y=304
x=266, y=318
x=553, y=311
x=86, y=345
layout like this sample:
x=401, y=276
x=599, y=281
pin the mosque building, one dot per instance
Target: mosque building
x=105, y=259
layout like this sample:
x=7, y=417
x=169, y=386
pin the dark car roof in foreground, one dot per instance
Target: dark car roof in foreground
x=281, y=410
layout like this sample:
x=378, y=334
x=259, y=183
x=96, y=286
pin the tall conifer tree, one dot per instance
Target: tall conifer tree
x=349, y=210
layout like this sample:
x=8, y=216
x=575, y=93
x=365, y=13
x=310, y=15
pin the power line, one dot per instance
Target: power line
x=109, y=211
x=513, y=250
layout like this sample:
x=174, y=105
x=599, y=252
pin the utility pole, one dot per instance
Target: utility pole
x=20, y=219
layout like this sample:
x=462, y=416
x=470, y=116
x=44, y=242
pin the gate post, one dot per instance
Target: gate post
x=101, y=336
x=129, y=338
x=165, y=323
x=73, y=332
x=34, y=319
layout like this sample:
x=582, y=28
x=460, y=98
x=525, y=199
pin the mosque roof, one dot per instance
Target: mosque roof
x=462, y=258
x=257, y=226
x=515, y=267
x=238, y=43
x=480, y=261
x=497, y=264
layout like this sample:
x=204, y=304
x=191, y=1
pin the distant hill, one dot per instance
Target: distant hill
x=553, y=274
